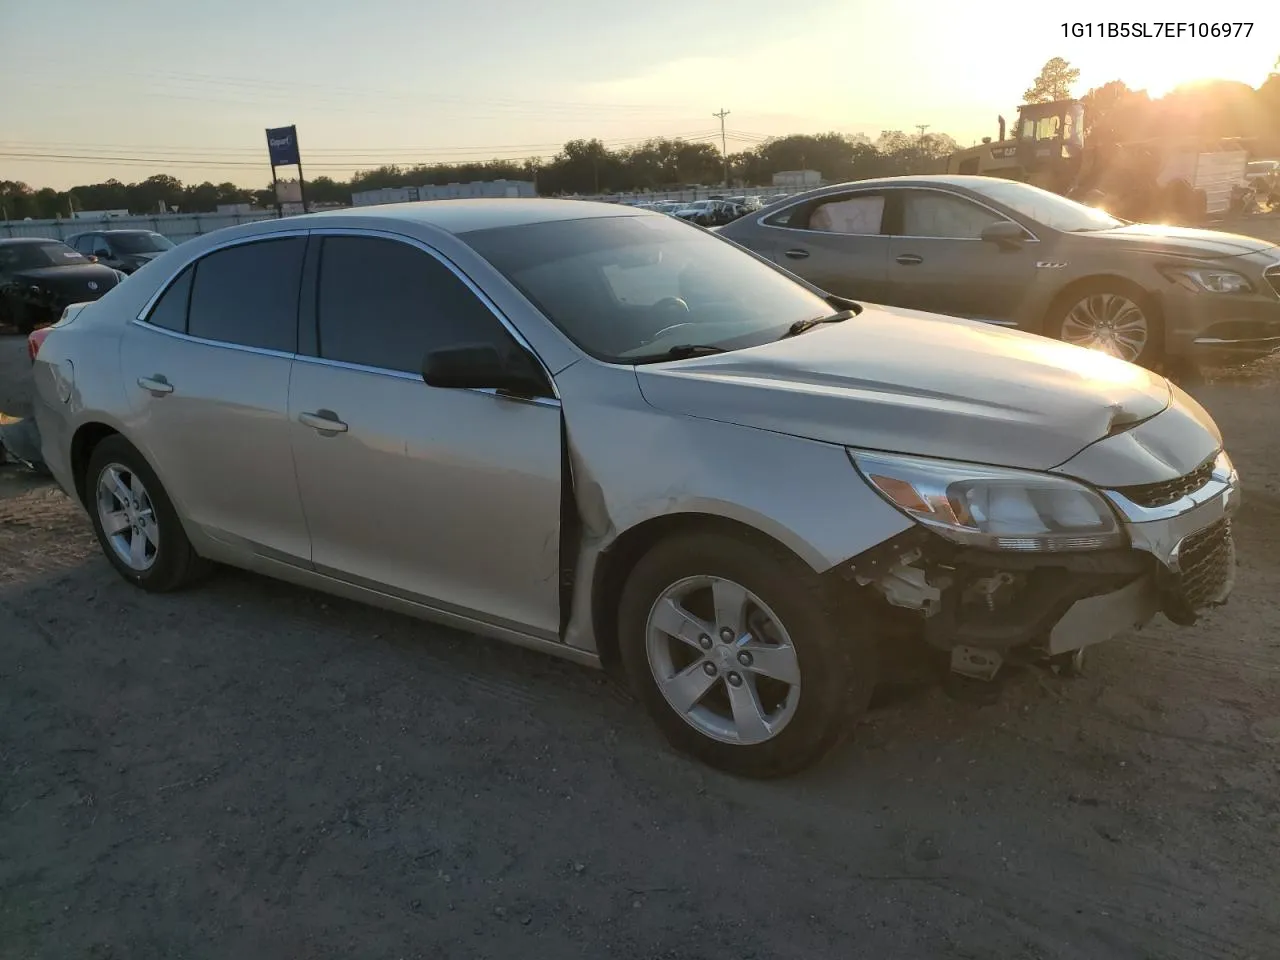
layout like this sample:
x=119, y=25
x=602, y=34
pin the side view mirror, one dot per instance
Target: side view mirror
x=481, y=366
x=1004, y=233
x=100, y=254
x=91, y=258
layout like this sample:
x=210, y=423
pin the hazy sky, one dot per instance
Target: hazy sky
x=187, y=88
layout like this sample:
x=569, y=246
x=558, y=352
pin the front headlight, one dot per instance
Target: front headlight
x=993, y=507
x=1205, y=280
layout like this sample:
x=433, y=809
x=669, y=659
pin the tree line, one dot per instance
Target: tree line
x=1114, y=113
x=581, y=166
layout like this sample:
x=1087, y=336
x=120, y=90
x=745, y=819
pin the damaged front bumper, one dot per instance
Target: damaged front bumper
x=981, y=605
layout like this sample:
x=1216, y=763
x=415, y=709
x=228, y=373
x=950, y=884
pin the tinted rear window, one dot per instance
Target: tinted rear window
x=248, y=295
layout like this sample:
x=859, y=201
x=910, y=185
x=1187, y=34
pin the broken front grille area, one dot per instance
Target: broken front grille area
x=1168, y=491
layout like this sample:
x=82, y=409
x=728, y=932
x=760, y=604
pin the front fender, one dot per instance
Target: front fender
x=631, y=463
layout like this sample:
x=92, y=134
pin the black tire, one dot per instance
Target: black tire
x=838, y=663
x=175, y=564
x=1152, y=354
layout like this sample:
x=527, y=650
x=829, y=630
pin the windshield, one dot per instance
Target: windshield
x=140, y=242
x=628, y=289
x=1049, y=209
x=31, y=256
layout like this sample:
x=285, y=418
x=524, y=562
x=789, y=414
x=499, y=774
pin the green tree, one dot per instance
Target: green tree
x=1113, y=113
x=1054, y=82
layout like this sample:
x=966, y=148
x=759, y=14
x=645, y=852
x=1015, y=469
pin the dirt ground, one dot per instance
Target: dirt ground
x=253, y=770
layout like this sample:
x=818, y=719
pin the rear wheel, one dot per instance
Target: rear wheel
x=135, y=521
x=742, y=655
x=1112, y=318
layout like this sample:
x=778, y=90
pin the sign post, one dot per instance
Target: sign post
x=282, y=148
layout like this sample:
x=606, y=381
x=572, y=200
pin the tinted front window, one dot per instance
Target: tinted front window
x=628, y=289
x=170, y=311
x=1055, y=212
x=927, y=213
x=383, y=303
x=248, y=295
x=140, y=243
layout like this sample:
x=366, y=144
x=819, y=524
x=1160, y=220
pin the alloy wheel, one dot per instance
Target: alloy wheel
x=723, y=660
x=128, y=517
x=1109, y=322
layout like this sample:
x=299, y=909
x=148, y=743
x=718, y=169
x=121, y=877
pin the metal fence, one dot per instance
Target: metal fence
x=693, y=193
x=176, y=226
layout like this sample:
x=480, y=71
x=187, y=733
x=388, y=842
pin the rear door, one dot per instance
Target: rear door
x=837, y=242
x=939, y=262
x=207, y=375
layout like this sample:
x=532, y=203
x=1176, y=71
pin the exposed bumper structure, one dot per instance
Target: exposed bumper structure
x=982, y=605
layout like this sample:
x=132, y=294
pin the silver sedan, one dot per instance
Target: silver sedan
x=612, y=436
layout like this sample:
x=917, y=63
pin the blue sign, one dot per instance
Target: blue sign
x=282, y=144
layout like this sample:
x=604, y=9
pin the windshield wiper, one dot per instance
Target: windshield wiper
x=682, y=351
x=800, y=326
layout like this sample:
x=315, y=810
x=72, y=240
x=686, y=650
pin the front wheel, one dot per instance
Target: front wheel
x=742, y=655
x=1110, y=318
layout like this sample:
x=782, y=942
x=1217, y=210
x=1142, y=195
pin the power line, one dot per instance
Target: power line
x=225, y=154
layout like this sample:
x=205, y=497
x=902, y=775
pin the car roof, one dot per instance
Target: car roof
x=465, y=216
x=16, y=241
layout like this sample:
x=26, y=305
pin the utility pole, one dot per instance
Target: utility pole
x=724, y=147
x=922, y=127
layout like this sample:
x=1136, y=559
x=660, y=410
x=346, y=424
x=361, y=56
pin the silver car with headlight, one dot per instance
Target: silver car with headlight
x=605, y=434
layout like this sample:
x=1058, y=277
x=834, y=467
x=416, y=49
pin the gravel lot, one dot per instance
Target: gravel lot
x=253, y=770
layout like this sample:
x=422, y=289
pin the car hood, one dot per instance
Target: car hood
x=1182, y=241
x=908, y=382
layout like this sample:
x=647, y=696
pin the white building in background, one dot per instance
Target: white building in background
x=98, y=214
x=797, y=178
x=448, y=191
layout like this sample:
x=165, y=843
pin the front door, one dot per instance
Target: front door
x=446, y=497
x=939, y=262
x=207, y=376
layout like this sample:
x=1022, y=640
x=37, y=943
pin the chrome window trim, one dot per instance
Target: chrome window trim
x=417, y=378
x=453, y=268
x=226, y=244
x=894, y=236
x=141, y=319
x=223, y=344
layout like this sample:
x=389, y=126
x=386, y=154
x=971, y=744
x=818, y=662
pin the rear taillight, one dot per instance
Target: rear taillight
x=34, y=339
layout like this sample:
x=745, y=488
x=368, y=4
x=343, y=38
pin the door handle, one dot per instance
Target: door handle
x=910, y=259
x=157, y=385
x=324, y=421
x=797, y=254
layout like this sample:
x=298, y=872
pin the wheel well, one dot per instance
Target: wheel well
x=86, y=438
x=617, y=562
